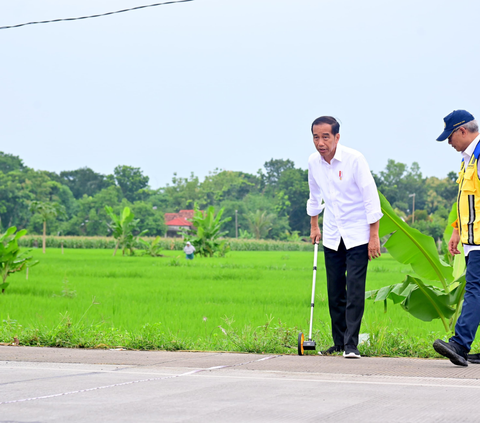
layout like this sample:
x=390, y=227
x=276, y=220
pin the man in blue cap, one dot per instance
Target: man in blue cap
x=461, y=130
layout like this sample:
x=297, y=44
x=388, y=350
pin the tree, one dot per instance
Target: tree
x=293, y=183
x=207, y=228
x=229, y=208
x=223, y=185
x=397, y=182
x=182, y=194
x=275, y=168
x=450, y=191
x=9, y=162
x=441, y=192
x=84, y=181
x=123, y=228
x=12, y=259
x=47, y=211
x=67, y=200
x=280, y=190
x=131, y=181
x=90, y=217
x=18, y=189
x=150, y=218
x=260, y=223
x=11, y=198
x=263, y=202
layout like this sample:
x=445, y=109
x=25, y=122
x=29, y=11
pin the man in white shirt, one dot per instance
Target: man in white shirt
x=341, y=183
x=461, y=130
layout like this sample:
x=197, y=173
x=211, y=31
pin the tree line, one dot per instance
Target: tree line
x=270, y=204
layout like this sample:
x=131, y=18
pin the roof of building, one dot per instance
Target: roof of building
x=179, y=221
x=184, y=214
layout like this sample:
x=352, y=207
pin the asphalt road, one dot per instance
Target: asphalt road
x=73, y=385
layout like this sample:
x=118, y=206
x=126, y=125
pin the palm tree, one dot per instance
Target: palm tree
x=260, y=223
x=46, y=211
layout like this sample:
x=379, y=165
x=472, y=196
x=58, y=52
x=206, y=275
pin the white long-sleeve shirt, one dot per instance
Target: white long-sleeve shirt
x=189, y=249
x=345, y=188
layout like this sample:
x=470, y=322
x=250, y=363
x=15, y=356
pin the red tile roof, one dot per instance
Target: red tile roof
x=178, y=221
x=184, y=214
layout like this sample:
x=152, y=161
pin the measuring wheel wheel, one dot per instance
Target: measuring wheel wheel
x=301, y=338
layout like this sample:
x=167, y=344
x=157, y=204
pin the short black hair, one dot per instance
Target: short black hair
x=328, y=120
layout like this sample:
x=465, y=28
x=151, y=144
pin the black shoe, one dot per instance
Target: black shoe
x=351, y=352
x=473, y=358
x=332, y=350
x=453, y=351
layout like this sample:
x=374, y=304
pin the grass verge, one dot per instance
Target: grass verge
x=247, y=302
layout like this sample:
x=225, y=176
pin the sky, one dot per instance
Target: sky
x=231, y=84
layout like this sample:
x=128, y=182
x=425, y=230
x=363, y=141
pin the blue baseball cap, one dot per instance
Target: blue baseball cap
x=453, y=121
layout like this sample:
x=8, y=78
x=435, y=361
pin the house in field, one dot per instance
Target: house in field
x=178, y=223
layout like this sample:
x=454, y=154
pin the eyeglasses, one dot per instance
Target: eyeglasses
x=455, y=130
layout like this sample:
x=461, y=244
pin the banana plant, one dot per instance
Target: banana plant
x=420, y=298
x=12, y=258
x=152, y=248
x=122, y=228
x=207, y=228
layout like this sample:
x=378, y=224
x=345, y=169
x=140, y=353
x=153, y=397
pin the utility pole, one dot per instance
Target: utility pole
x=413, y=213
x=236, y=225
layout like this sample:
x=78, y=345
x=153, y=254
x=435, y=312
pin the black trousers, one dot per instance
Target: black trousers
x=346, y=276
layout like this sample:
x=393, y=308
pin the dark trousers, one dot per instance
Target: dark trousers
x=467, y=323
x=346, y=276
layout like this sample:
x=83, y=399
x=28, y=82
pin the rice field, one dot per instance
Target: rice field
x=250, y=301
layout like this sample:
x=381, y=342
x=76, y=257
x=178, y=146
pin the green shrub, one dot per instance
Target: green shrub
x=176, y=244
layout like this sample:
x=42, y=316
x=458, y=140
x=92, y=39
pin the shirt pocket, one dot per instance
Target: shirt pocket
x=470, y=185
x=344, y=176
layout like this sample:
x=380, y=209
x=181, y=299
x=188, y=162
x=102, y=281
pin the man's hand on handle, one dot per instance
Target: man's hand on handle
x=315, y=234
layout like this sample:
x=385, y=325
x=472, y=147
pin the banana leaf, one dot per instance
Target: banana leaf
x=457, y=289
x=397, y=292
x=425, y=302
x=452, y=216
x=459, y=259
x=410, y=246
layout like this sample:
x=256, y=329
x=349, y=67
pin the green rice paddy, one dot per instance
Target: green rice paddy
x=248, y=301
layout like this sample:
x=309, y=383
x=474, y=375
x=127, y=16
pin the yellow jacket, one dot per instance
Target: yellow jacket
x=468, y=201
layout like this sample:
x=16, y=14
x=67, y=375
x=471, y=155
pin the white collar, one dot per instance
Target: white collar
x=336, y=156
x=467, y=153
